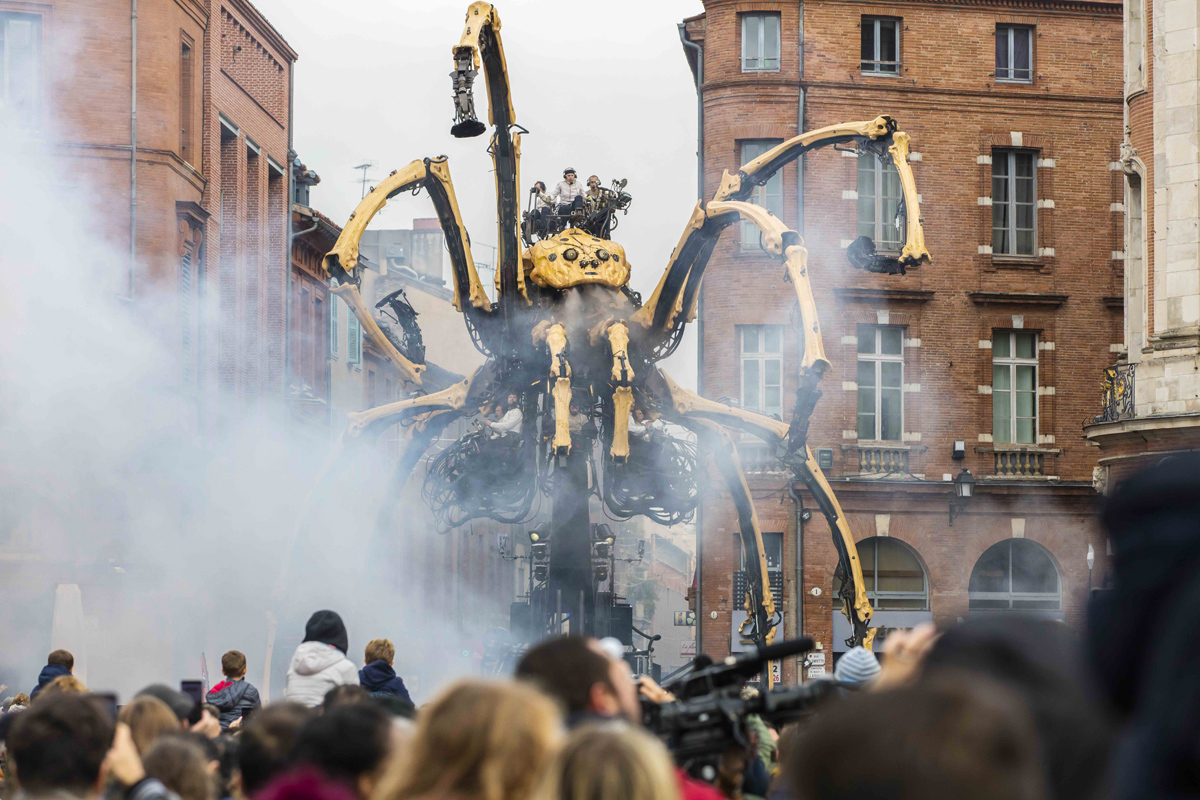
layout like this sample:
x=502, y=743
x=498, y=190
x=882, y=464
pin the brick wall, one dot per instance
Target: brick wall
x=946, y=98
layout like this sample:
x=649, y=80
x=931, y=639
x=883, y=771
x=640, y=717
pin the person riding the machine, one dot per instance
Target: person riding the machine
x=568, y=194
x=594, y=193
x=543, y=207
x=508, y=425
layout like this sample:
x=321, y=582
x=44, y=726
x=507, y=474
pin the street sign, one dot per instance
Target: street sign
x=815, y=659
x=816, y=672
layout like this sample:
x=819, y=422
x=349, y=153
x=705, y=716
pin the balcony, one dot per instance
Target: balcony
x=1117, y=398
x=881, y=459
x=1019, y=463
x=758, y=458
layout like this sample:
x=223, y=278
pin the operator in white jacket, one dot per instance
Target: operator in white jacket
x=320, y=662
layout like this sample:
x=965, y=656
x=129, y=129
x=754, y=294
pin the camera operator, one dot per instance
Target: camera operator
x=592, y=684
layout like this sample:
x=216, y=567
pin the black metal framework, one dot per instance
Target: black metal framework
x=1118, y=393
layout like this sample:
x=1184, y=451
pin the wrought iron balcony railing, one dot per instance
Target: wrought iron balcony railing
x=1118, y=393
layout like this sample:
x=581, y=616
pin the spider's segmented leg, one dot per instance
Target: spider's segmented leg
x=555, y=337
x=621, y=380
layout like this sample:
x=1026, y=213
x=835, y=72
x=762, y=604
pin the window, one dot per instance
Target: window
x=372, y=398
x=769, y=195
x=333, y=327
x=880, y=46
x=1014, y=54
x=1014, y=387
x=1015, y=574
x=879, y=195
x=185, y=102
x=353, y=339
x=880, y=382
x=760, y=42
x=20, y=68
x=893, y=577
x=773, y=549
x=762, y=368
x=1014, y=204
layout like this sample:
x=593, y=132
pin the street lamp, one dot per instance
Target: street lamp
x=964, y=490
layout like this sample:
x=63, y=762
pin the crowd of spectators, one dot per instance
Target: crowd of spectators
x=1004, y=707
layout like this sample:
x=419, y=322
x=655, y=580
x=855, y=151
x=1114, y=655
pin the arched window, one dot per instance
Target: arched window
x=1015, y=574
x=892, y=575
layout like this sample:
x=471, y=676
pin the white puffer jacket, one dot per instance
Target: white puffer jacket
x=315, y=669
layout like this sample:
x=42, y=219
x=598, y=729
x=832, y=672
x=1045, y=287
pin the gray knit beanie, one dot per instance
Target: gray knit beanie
x=858, y=665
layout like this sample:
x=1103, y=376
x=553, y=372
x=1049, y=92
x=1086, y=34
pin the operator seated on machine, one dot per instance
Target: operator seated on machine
x=641, y=427
x=568, y=194
x=594, y=195
x=508, y=427
x=543, y=207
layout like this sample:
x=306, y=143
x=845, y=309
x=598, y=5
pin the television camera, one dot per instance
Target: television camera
x=708, y=716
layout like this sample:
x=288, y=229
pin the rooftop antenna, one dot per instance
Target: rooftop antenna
x=365, y=179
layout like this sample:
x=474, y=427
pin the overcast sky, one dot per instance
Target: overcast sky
x=602, y=87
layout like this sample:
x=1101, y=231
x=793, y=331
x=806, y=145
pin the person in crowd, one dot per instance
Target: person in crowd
x=348, y=695
x=592, y=684
x=58, y=664
x=477, y=740
x=938, y=740
x=63, y=684
x=350, y=744
x=234, y=696
x=577, y=672
x=610, y=761
x=857, y=666
x=1141, y=638
x=305, y=784
x=1039, y=661
x=182, y=766
x=65, y=747
x=18, y=702
x=320, y=662
x=377, y=675
x=568, y=194
x=510, y=424
x=265, y=745
x=148, y=718
x=180, y=704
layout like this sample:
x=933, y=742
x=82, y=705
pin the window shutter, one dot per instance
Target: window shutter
x=333, y=327
x=353, y=340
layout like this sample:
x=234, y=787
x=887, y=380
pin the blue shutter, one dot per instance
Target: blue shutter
x=333, y=326
x=353, y=340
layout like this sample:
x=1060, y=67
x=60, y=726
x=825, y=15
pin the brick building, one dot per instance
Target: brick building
x=1015, y=117
x=1152, y=392
x=183, y=130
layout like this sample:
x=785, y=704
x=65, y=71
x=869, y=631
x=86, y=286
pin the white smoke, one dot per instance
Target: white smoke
x=176, y=538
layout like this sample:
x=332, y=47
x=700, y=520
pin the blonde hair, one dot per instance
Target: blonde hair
x=63, y=684
x=147, y=718
x=477, y=740
x=610, y=761
x=380, y=650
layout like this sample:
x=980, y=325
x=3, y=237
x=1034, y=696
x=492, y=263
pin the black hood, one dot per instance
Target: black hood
x=327, y=627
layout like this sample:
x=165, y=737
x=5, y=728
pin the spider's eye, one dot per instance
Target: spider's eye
x=602, y=255
x=570, y=254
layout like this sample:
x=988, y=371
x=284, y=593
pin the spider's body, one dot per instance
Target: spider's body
x=567, y=332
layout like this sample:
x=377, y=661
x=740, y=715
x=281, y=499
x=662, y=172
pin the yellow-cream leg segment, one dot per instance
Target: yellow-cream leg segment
x=451, y=399
x=914, y=245
x=408, y=370
x=622, y=379
x=560, y=372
